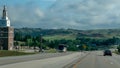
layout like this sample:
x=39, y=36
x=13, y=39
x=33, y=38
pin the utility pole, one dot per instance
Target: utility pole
x=40, y=47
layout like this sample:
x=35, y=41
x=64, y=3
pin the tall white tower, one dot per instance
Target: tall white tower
x=6, y=32
x=4, y=21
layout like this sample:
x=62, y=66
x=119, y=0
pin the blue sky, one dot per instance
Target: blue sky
x=44, y=4
x=53, y=14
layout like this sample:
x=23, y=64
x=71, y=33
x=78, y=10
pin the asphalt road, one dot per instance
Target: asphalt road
x=17, y=59
x=93, y=59
x=97, y=60
x=55, y=62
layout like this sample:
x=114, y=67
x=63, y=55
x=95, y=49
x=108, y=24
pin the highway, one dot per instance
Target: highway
x=93, y=59
x=17, y=59
x=97, y=60
x=51, y=62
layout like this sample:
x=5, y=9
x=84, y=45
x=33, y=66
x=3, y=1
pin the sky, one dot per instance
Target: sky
x=57, y=14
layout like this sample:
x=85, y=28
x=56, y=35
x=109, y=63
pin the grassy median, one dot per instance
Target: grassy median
x=4, y=53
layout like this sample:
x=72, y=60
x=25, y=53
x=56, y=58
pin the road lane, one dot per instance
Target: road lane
x=93, y=59
x=84, y=64
x=16, y=59
x=96, y=60
x=56, y=62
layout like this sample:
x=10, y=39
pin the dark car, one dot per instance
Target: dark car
x=107, y=52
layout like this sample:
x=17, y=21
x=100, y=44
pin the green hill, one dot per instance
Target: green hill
x=68, y=33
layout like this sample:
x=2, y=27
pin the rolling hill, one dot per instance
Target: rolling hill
x=68, y=33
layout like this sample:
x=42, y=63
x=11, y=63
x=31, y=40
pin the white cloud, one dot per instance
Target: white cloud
x=88, y=12
x=39, y=12
x=79, y=14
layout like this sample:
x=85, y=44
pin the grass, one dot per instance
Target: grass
x=116, y=52
x=51, y=51
x=4, y=53
x=59, y=37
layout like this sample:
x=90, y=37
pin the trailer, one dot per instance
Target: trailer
x=62, y=48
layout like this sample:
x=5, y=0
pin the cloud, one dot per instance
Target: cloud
x=95, y=13
x=25, y=16
x=39, y=12
x=78, y=14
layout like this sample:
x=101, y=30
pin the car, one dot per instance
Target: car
x=107, y=53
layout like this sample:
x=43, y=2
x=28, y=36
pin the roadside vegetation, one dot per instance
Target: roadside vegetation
x=75, y=40
x=4, y=53
x=118, y=52
x=75, y=44
x=51, y=51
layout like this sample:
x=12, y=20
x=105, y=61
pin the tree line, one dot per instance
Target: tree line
x=80, y=43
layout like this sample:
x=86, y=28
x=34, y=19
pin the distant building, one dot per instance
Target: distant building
x=6, y=32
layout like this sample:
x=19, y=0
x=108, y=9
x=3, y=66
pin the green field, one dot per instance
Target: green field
x=59, y=37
